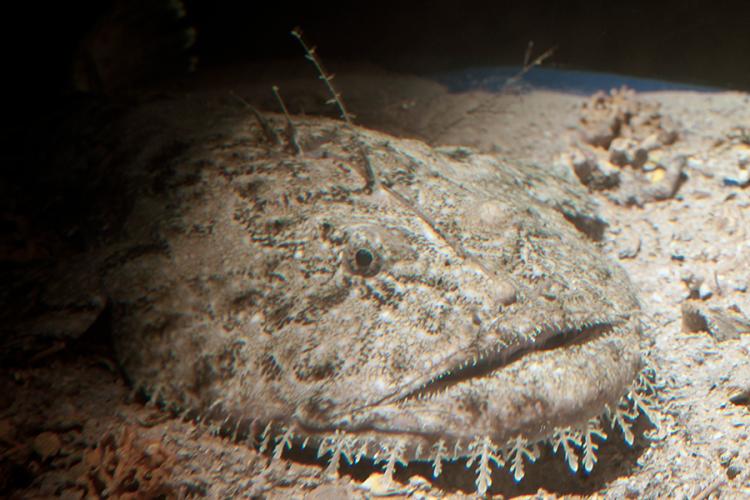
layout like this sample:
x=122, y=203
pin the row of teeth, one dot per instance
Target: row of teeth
x=422, y=390
x=496, y=351
x=482, y=453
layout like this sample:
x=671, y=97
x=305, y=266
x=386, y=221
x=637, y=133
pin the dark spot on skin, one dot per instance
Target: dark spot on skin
x=316, y=372
x=279, y=315
x=473, y=405
x=328, y=233
x=270, y=368
x=276, y=226
x=250, y=190
x=400, y=362
x=320, y=303
x=209, y=369
x=317, y=408
x=226, y=361
x=325, y=230
x=247, y=300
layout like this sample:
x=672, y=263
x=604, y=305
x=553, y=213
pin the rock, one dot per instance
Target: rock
x=668, y=131
x=704, y=291
x=630, y=248
x=664, y=182
x=661, y=183
x=377, y=484
x=741, y=179
x=722, y=324
x=625, y=151
x=628, y=132
x=593, y=173
x=603, y=117
x=741, y=397
x=651, y=142
x=743, y=157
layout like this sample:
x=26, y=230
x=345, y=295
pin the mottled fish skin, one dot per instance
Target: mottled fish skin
x=440, y=304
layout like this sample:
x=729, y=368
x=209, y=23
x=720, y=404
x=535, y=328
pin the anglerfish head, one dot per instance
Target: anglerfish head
x=439, y=303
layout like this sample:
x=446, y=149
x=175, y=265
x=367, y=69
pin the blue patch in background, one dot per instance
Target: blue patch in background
x=494, y=79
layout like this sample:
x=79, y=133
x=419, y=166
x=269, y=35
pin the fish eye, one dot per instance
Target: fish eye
x=364, y=254
x=364, y=261
x=363, y=258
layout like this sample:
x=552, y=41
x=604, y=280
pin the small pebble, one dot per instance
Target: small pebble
x=695, y=163
x=378, y=485
x=734, y=471
x=741, y=179
x=743, y=158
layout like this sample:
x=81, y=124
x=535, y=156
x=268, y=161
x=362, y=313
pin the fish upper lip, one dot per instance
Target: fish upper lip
x=489, y=360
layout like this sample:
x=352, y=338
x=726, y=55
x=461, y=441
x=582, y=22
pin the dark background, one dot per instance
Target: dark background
x=690, y=40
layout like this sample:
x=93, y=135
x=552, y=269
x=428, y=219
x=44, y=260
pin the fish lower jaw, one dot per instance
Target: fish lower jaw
x=577, y=443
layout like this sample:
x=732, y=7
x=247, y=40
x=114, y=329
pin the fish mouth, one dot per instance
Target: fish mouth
x=551, y=377
x=483, y=363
